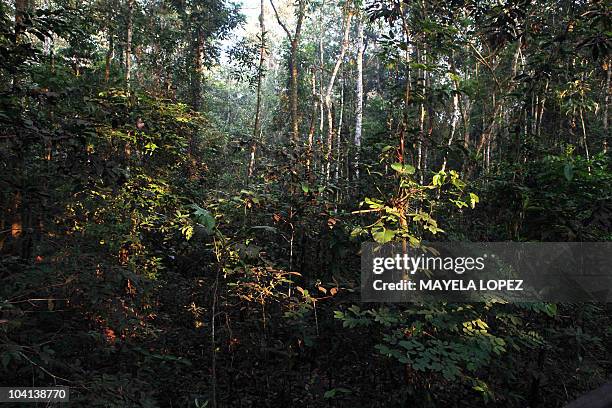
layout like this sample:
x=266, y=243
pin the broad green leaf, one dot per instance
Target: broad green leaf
x=204, y=218
x=384, y=235
x=403, y=168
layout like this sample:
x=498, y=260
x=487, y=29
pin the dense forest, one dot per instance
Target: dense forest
x=185, y=186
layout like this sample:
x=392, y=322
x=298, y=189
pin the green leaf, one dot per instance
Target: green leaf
x=383, y=236
x=454, y=77
x=356, y=232
x=474, y=200
x=403, y=168
x=329, y=394
x=459, y=203
x=437, y=179
x=332, y=393
x=551, y=309
x=204, y=218
x=187, y=231
x=373, y=204
x=568, y=171
x=151, y=147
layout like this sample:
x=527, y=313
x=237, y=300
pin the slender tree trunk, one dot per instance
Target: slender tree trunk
x=584, y=131
x=330, y=87
x=21, y=8
x=321, y=94
x=128, y=44
x=606, y=123
x=294, y=40
x=257, y=126
x=159, y=70
x=421, y=58
x=193, y=159
x=295, y=125
x=403, y=125
x=109, y=57
x=359, y=96
x=330, y=138
x=139, y=72
x=295, y=120
x=199, y=69
x=15, y=208
x=454, y=120
x=584, y=136
x=466, y=112
x=339, y=134
x=541, y=114
x=311, y=129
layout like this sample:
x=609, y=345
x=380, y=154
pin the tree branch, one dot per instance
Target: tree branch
x=280, y=22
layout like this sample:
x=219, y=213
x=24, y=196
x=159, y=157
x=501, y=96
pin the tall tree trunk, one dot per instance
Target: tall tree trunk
x=311, y=129
x=359, y=96
x=606, y=123
x=128, y=44
x=466, y=113
x=295, y=125
x=339, y=133
x=454, y=120
x=541, y=113
x=584, y=136
x=422, y=58
x=109, y=57
x=257, y=126
x=294, y=41
x=321, y=90
x=199, y=69
x=403, y=124
x=330, y=87
x=21, y=8
x=15, y=209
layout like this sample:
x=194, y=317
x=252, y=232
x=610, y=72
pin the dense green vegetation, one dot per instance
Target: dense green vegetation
x=183, y=201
